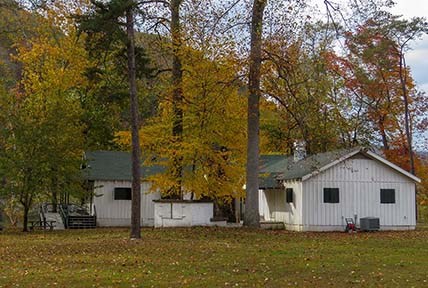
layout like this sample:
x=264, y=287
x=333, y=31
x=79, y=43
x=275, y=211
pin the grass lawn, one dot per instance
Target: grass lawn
x=213, y=257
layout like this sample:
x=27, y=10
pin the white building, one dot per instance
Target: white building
x=317, y=193
x=110, y=178
x=110, y=175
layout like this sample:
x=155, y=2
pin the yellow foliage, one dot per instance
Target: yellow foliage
x=44, y=133
x=212, y=148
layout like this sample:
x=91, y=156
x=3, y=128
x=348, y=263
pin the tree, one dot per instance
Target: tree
x=402, y=32
x=136, y=153
x=176, y=51
x=211, y=111
x=213, y=141
x=370, y=22
x=369, y=73
x=42, y=136
x=302, y=92
x=177, y=95
x=375, y=75
x=252, y=217
x=104, y=19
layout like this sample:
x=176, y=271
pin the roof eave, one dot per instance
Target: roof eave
x=266, y=188
x=331, y=164
x=369, y=154
x=393, y=166
x=108, y=179
x=292, y=179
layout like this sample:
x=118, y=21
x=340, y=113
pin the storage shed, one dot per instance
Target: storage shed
x=317, y=193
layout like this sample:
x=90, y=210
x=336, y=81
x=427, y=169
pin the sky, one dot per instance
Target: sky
x=417, y=58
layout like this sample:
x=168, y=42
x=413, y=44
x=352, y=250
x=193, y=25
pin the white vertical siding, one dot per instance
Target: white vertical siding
x=183, y=214
x=263, y=206
x=273, y=205
x=147, y=204
x=112, y=212
x=359, y=182
x=293, y=216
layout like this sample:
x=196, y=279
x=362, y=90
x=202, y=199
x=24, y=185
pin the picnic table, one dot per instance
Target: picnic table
x=42, y=224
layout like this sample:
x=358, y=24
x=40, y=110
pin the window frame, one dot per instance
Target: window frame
x=329, y=197
x=126, y=197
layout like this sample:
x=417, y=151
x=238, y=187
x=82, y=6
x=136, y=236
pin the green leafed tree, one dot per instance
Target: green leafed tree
x=42, y=132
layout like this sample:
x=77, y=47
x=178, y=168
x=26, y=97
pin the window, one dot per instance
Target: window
x=331, y=195
x=289, y=195
x=387, y=196
x=122, y=193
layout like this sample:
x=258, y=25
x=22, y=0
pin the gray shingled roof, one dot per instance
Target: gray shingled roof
x=312, y=163
x=113, y=165
x=274, y=168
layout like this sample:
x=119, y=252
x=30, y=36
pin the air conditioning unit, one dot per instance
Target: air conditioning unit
x=369, y=224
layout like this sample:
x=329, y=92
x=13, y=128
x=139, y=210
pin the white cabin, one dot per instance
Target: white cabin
x=110, y=176
x=314, y=193
x=318, y=192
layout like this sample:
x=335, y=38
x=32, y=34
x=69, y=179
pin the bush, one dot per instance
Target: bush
x=12, y=210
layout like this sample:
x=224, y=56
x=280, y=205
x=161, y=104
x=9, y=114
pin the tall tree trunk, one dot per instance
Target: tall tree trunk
x=26, y=201
x=177, y=96
x=136, y=181
x=54, y=194
x=385, y=142
x=25, y=222
x=252, y=216
x=403, y=80
x=54, y=200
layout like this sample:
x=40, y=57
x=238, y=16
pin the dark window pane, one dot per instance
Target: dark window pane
x=331, y=195
x=289, y=195
x=122, y=193
x=326, y=195
x=334, y=195
x=387, y=196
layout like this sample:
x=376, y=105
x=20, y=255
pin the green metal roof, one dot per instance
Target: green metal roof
x=114, y=165
x=271, y=166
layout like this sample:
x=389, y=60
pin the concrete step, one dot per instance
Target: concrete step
x=272, y=225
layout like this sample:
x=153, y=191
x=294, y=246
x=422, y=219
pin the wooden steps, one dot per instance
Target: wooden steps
x=81, y=222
